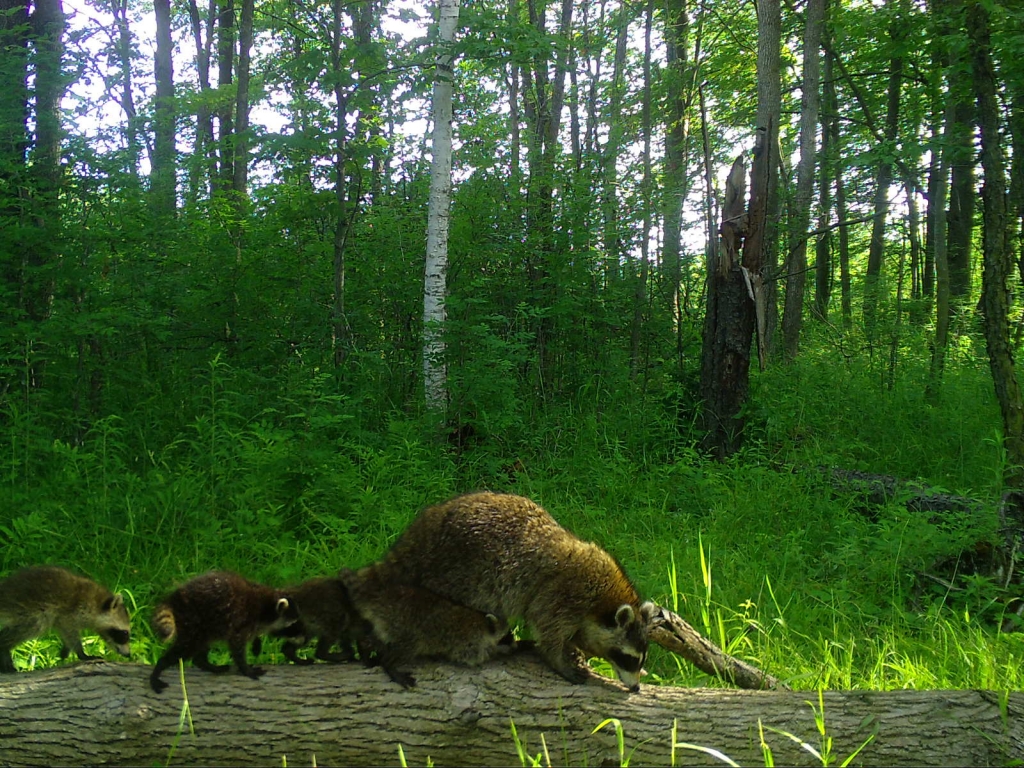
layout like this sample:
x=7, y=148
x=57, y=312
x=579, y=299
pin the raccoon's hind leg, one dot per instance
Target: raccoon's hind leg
x=201, y=659
x=324, y=653
x=237, y=647
x=11, y=636
x=291, y=652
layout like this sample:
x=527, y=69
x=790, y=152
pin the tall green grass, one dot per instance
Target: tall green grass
x=759, y=553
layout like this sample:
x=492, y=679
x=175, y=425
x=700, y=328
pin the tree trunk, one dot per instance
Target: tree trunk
x=736, y=302
x=435, y=382
x=610, y=155
x=14, y=142
x=883, y=176
x=133, y=125
x=163, y=171
x=1016, y=197
x=829, y=143
x=640, y=299
x=41, y=258
x=759, y=242
x=797, y=262
x=996, y=246
x=728, y=326
x=340, y=332
x=205, y=147
x=14, y=96
x=543, y=97
x=845, y=281
x=515, y=147
x=225, y=70
x=241, y=162
x=937, y=243
x=677, y=45
x=344, y=714
x=961, y=159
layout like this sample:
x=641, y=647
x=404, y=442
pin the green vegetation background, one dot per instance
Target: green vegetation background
x=289, y=476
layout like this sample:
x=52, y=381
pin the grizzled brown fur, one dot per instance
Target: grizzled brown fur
x=505, y=555
x=402, y=623
x=35, y=600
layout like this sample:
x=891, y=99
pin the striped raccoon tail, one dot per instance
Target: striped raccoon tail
x=163, y=623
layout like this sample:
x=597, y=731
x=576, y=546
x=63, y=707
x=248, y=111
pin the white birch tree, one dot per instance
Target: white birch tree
x=435, y=379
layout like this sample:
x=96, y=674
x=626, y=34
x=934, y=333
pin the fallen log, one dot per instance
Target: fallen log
x=99, y=713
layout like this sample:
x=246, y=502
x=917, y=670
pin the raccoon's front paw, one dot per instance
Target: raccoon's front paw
x=157, y=684
x=404, y=679
x=255, y=672
x=575, y=675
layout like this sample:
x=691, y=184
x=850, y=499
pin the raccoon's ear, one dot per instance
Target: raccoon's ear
x=648, y=611
x=282, y=606
x=625, y=615
x=494, y=623
x=113, y=602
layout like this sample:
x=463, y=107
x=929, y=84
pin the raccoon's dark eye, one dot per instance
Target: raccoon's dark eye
x=119, y=636
x=625, y=661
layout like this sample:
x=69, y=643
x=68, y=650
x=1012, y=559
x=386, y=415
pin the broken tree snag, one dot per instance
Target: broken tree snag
x=670, y=631
x=728, y=326
x=345, y=714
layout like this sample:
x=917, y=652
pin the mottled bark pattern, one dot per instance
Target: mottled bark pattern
x=995, y=296
x=344, y=714
x=728, y=327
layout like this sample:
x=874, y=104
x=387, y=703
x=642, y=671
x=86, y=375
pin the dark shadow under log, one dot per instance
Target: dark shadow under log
x=101, y=713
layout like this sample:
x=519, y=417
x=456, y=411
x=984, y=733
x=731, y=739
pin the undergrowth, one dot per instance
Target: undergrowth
x=759, y=553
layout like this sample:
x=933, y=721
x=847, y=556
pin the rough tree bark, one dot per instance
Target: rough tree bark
x=801, y=207
x=162, y=177
x=961, y=159
x=240, y=180
x=435, y=378
x=995, y=293
x=728, y=326
x=884, y=173
x=225, y=73
x=680, y=94
x=345, y=714
x=737, y=300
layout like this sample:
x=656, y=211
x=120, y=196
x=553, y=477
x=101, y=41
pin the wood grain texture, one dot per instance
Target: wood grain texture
x=103, y=713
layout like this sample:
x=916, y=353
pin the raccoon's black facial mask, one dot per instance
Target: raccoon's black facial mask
x=118, y=636
x=625, y=661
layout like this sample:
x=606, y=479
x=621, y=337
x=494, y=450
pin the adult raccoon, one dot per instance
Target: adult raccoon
x=35, y=600
x=217, y=606
x=504, y=555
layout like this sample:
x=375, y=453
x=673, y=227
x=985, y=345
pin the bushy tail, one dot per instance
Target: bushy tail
x=163, y=623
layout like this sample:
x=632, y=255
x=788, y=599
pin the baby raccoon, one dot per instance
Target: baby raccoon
x=400, y=623
x=326, y=613
x=217, y=606
x=504, y=555
x=35, y=600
